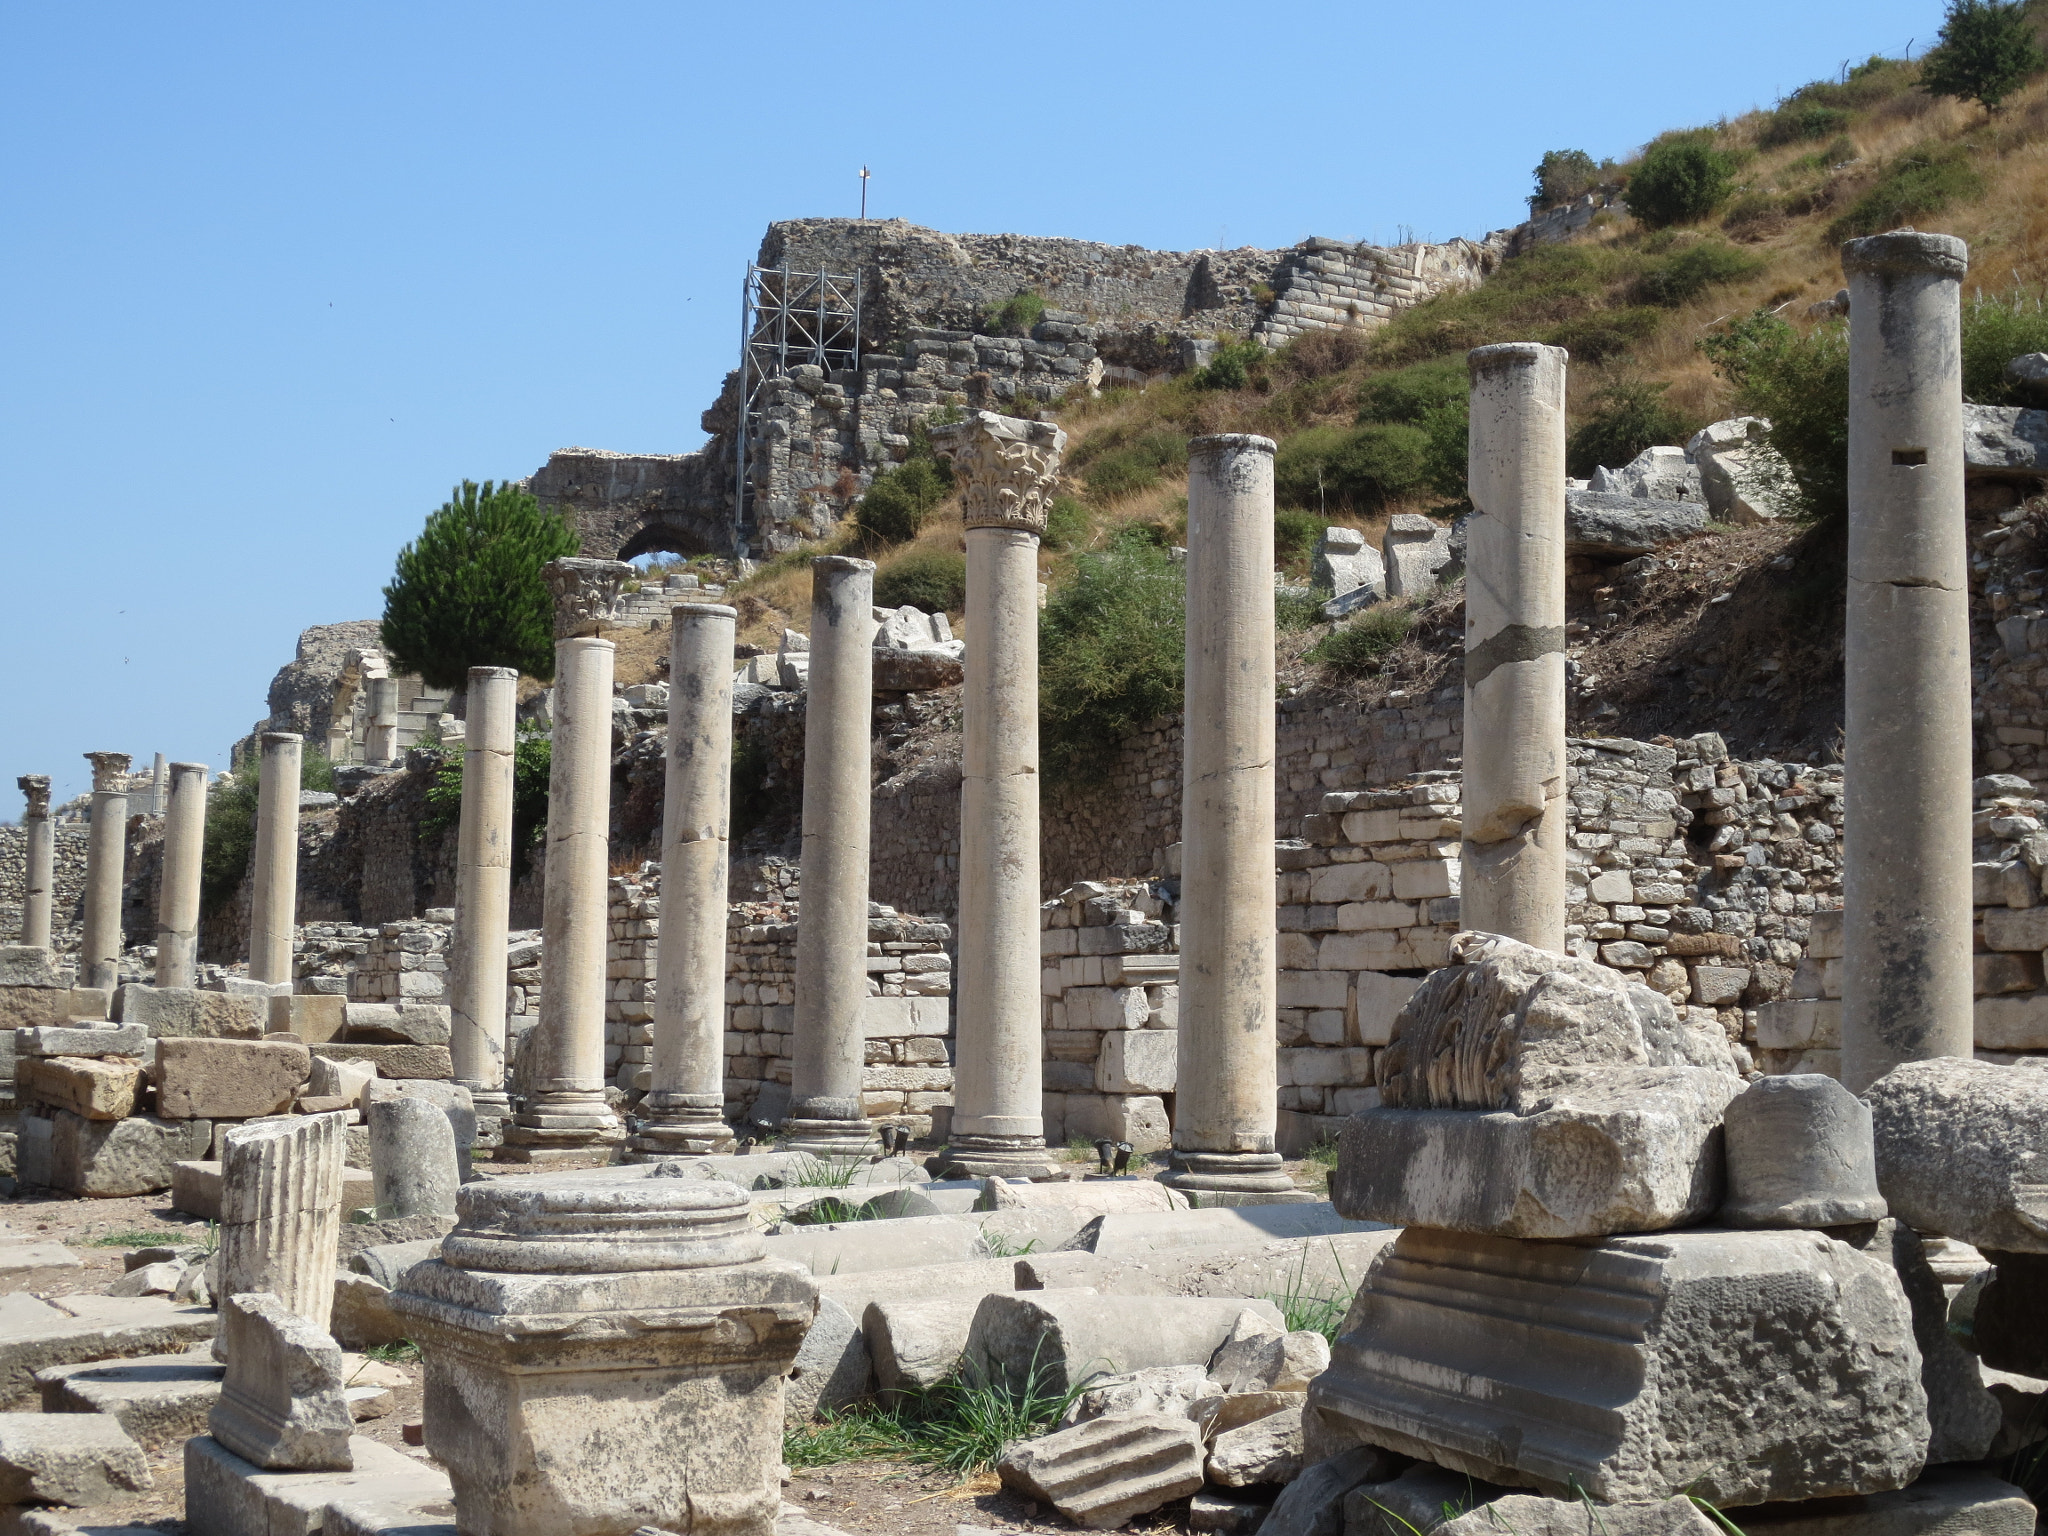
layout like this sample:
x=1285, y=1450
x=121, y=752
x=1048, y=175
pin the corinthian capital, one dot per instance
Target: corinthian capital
x=1005, y=468
x=37, y=787
x=109, y=771
x=584, y=593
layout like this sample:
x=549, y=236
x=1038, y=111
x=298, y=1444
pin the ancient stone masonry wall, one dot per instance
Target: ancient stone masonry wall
x=2009, y=633
x=66, y=901
x=1111, y=990
x=1322, y=284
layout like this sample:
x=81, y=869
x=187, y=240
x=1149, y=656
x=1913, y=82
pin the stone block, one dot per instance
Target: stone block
x=452, y=1099
x=1425, y=880
x=37, y=1334
x=1946, y=1501
x=2010, y=1023
x=1799, y=1024
x=185, y=1013
x=309, y=1016
x=1065, y=1337
x=344, y=1080
x=214, y=1079
x=2023, y=928
x=1313, y=1504
x=893, y=1018
x=1824, y=935
x=1314, y=989
x=1271, y=1361
x=227, y=1496
x=281, y=1405
x=124, y=1040
x=1993, y=974
x=1800, y=1154
x=397, y=1024
x=1138, y=1061
x=30, y=965
x=1338, y=883
x=1719, y=986
x=156, y=1400
x=30, y=1007
x=1960, y=1148
x=1140, y=1119
x=1378, y=1002
x=1090, y=1197
x=1171, y=1389
x=1637, y=1368
x=832, y=1367
x=96, y=1090
x=917, y=1344
x=61, y=1459
x=1266, y=1450
x=394, y=1060
x=1108, y=1471
x=120, y=1157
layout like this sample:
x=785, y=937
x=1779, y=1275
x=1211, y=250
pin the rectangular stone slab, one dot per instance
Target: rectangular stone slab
x=226, y=1496
x=1639, y=1367
x=36, y=1334
x=394, y=1060
x=228, y=1079
x=156, y=1399
x=96, y=1090
x=186, y=1013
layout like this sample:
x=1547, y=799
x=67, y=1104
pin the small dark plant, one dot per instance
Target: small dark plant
x=1135, y=466
x=1630, y=415
x=1232, y=367
x=1922, y=181
x=1015, y=315
x=1679, y=182
x=1361, y=645
x=934, y=580
x=1110, y=655
x=1067, y=523
x=1682, y=277
x=898, y=501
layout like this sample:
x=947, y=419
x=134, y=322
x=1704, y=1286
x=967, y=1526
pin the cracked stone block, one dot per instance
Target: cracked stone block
x=1109, y=1470
x=70, y=1459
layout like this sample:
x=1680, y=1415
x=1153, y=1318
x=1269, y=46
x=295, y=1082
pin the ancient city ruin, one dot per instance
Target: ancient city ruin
x=1355, y=1111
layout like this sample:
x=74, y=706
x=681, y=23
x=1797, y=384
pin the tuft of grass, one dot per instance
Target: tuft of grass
x=1298, y=608
x=1361, y=645
x=1308, y=1309
x=824, y=1173
x=1015, y=315
x=135, y=1240
x=1067, y=523
x=1138, y=465
x=1917, y=184
x=998, y=1246
x=398, y=1352
x=830, y=1210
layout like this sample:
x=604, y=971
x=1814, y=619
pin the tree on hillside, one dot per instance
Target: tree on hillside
x=1678, y=182
x=1562, y=175
x=1986, y=51
x=468, y=592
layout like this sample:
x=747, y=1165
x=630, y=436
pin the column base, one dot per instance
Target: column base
x=1228, y=1173
x=681, y=1125
x=828, y=1138
x=562, y=1127
x=1001, y=1157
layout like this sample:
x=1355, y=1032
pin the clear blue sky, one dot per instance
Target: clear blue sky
x=276, y=276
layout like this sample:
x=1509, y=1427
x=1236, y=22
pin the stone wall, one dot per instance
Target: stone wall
x=67, y=903
x=1111, y=1010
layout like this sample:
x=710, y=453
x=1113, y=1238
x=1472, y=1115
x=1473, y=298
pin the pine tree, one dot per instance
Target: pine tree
x=1986, y=51
x=468, y=592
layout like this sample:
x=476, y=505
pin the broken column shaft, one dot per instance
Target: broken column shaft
x=685, y=1107
x=1513, y=875
x=275, y=899
x=566, y=1113
x=1226, y=1104
x=106, y=857
x=483, y=890
x=1907, y=912
x=177, y=908
x=825, y=1112
x=41, y=854
x=1006, y=470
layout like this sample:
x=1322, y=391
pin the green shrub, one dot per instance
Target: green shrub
x=1922, y=181
x=1408, y=394
x=1630, y=416
x=1295, y=536
x=1603, y=336
x=1015, y=315
x=468, y=591
x=1351, y=468
x=1801, y=383
x=1297, y=608
x=934, y=580
x=1109, y=655
x=1985, y=52
x=1561, y=175
x=1232, y=367
x=1135, y=466
x=1679, y=182
x=1448, y=428
x=898, y=500
x=1067, y=523
x=532, y=757
x=1995, y=331
x=1796, y=122
x=1679, y=279
x=1361, y=645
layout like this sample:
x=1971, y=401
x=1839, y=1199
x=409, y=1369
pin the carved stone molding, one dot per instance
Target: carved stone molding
x=1006, y=468
x=109, y=769
x=37, y=787
x=585, y=591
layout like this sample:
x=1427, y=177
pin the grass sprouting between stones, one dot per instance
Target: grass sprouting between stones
x=958, y=1426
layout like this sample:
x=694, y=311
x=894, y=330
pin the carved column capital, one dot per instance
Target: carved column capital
x=585, y=591
x=109, y=770
x=1006, y=468
x=37, y=787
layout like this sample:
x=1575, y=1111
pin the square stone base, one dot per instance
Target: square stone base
x=227, y=1496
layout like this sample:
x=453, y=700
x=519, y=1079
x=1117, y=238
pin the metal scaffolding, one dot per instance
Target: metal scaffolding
x=788, y=319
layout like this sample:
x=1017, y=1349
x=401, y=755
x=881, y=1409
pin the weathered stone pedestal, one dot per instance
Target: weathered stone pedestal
x=685, y=1106
x=606, y=1356
x=1006, y=470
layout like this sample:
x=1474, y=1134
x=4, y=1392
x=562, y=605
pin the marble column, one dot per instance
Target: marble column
x=685, y=1107
x=825, y=1112
x=41, y=839
x=1226, y=1104
x=1513, y=855
x=106, y=858
x=1006, y=470
x=177, y=906
x=483, y=891
x=274, y=903
x=380, y=743
x=280, y=1210
x=1906, y=918
x=159, y=785
x=566, y=1114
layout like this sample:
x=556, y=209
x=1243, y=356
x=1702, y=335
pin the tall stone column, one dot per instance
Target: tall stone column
x=159, y=785
x=825, y=1113
x=566, y=1114
x=1513, y=857
x=380, y=743
x=106, y=858
x=685, y=1108
x=41, y=838
x=177, y=906
x=274, y=902
x=1005, y=469
x=1906, y=987
x=483, y=891
x=1226, y=1105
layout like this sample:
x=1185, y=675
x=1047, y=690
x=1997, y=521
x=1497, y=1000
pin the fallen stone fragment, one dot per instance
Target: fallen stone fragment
x=1267, y=1450
x=1962, y=1149
x=397, y=1023
x=74, y=1459
x=917, y=1344
x=1800, y=1154
x=1614, y=526
x=412, y=1157
x=117, y=1040
x=1271, y=1361
x=1210, y=1511
x=1109, y=1470
x=1167, y=1389
x=344, y=1080
x=30, y=965
x=1219, y=1415
x=1094, y=1196
x=393, y=1061
x=1313, y=1504
x=22, y=1256
x=149, y=1280
x=36, y=1334
x=833, y=1366
x=1064, y=1338
x=1635, y=1369
x=281, y=1405
x=106, y=1157
x=156, y=1400
x=228, y=1079
x=1946, y=1501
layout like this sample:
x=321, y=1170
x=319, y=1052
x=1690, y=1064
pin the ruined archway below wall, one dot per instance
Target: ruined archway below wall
x=627, y=504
